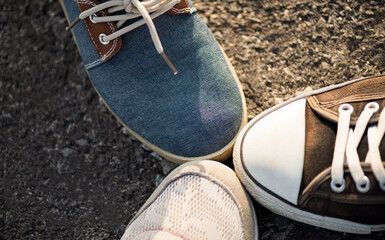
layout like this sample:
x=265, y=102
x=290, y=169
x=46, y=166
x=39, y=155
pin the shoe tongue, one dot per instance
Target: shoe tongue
x=357, y=94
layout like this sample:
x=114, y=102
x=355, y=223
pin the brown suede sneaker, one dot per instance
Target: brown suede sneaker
x=317, y=158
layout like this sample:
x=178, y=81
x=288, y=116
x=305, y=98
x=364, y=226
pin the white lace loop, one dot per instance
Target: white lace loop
x=346, y=145
x=132, y=9
x=375, y=135
x=338, y=181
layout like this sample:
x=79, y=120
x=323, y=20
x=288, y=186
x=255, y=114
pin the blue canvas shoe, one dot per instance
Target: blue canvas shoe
x=186, y=105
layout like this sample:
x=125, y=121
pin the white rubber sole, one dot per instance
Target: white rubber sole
x=282, y=207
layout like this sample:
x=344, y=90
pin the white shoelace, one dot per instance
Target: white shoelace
x=133, y=9
x=347, y=141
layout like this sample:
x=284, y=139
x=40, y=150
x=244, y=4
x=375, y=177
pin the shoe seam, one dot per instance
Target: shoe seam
x=111, y=50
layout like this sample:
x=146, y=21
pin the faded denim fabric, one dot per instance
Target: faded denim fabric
x=192, y=114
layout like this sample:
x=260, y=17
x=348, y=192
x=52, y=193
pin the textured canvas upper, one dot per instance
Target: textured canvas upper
x=198, y=200
x=194, y=113
x=191, y=207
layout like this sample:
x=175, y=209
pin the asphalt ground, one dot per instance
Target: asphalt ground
x=69, y=170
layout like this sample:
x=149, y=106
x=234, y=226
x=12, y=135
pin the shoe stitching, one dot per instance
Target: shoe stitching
x=183, y=10
x=111, y=50
x=113, y=46
x=112, y=29
x=88, y=30
x=93, y=64
x=327, y=105
x=353, y=98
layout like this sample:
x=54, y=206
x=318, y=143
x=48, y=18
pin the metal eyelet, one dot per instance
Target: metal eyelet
x=338, y=187
x=346, y=108
x=101, y=39
x=91, y=17
x=364, y=185
x=372, y=105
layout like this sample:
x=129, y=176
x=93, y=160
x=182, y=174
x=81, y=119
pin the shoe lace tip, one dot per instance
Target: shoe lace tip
x=69, y=27
x=174, y=70
x=169, y=63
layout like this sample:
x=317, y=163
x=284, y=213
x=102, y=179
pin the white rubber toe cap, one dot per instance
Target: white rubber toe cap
x=273, y=150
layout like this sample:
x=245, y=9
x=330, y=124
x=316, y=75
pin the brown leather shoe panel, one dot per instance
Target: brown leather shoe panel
x=180, y=8
x=95, y=29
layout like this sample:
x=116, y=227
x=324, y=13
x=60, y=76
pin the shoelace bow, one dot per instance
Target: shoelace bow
x=133, y=9
x=347, y=141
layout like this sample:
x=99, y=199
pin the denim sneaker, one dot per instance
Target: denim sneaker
x=185, y=105
x=198, y=200
x=317, y=158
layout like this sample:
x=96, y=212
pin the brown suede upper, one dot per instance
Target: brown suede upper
x=321, y=116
